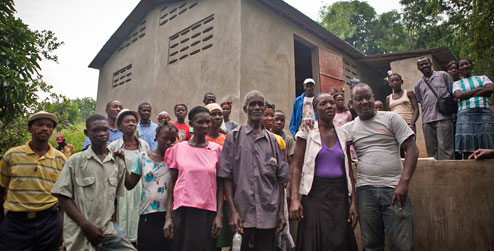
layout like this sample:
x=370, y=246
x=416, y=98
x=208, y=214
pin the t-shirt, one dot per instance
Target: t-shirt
x=183, y=131
x=155, y=178
x=220, y=140
x=342, y=118
x=307, y=110
x=377, y=143
x=196, y=182
x=468, y=84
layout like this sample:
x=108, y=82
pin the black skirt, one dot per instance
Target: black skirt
x=325, y=210
x=192, y=229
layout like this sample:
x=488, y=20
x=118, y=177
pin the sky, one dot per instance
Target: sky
x=85, y=26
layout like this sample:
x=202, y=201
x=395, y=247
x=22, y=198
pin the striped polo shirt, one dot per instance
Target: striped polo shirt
x=29, y=178
x=468, y=84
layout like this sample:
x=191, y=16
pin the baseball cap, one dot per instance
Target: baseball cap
x=309, y=80
x=60, y=138
x=42, y=115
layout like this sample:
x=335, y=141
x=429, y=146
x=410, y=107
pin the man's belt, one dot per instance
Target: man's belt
x=36, y=214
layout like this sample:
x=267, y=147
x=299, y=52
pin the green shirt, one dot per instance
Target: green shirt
x=93, y=185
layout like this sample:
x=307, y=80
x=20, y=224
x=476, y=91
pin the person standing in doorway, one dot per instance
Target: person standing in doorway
x=303, y=106
x=438, y=127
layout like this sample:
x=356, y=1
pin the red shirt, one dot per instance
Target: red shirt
x=183, y=131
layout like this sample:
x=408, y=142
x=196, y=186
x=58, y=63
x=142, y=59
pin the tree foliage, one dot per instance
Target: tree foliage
x=87, y=107
x=465, y=26
x=21, y=50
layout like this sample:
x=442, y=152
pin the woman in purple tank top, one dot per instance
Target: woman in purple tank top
x=321, y=173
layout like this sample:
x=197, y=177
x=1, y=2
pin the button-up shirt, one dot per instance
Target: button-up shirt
x=442, y=83
x=256, y=166
x=148, y=134
x=93, y=185
x=115, y=134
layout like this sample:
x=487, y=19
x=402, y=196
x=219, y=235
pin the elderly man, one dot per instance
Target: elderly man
x=254, y=171
x=382, y=184
x=438, y=128
x=302, y=107
x=146, y=127
x=112, y=109
x=27, y=174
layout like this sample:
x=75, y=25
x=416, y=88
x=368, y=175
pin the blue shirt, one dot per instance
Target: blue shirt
x=296, y=118
x=115, y=134
x=148, y=134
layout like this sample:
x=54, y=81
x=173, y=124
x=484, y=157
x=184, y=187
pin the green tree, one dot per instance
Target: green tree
x=87, y=107
x=352, y=21
x=21, y=50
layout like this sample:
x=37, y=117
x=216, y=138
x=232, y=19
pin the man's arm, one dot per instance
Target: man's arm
x=293, y=127
x=281, y=208
x=235, y=219
x=411, y=156
x=92, y=233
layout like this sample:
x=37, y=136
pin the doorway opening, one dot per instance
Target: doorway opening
x=303, y=65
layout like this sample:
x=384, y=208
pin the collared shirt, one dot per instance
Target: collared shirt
x=115, y=134
x=148, y=134
x=256, y=166
x=68, y=150
x=29, y=178
x=93, y=185
x=427, y=99
x=312, y=149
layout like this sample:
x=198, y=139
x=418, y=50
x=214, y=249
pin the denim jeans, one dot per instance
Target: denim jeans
x=378, y=217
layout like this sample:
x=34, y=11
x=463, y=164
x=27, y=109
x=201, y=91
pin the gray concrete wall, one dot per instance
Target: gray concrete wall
x=452, y=205
x=163, y=84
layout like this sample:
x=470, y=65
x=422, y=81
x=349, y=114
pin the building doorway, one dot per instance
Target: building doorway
x=303, y=65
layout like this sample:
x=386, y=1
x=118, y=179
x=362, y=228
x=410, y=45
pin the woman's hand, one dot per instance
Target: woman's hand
x=353, y=216
x=296, y=210
x=217, y=225
x=168, y=228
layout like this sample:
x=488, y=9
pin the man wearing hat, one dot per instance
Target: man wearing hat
x=63, y=147
x=27, y=175
x=302, y=107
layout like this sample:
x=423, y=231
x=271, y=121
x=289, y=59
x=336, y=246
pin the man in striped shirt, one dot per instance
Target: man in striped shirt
x=27, y=176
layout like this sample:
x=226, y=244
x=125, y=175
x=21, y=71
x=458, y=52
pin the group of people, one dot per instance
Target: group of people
x=177, y=186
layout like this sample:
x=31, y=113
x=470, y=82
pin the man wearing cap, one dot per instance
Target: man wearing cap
x=27, y=174
x=304, y=100
x=66, y=149
x=112, y=110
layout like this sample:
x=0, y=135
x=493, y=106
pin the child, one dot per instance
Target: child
x=155, y=183
x=378, y=105
x=402, y=101
x=342, y=115
x=183, y=129
x=163, y=117
x=87, y=189
x=277, y=128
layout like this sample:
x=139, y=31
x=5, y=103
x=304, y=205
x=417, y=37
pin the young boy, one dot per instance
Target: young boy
x=87, y=189
x=278, y=126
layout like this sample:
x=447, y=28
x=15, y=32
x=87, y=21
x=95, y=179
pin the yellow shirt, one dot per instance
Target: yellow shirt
x=281, y=142
x=29, y=178
x=68, y=150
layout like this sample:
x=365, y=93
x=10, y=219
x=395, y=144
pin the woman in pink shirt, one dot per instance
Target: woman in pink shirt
x=194, y=193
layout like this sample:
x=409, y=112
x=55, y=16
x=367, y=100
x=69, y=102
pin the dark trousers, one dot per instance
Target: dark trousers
x=43, y=233
x=260, y=239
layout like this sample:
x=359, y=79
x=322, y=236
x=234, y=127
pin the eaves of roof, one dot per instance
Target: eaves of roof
x=278, y=6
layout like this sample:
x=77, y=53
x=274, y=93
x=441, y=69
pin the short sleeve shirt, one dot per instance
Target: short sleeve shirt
x=290, y=143
x=257, y=167
x=377, y=143
x=93, y=185
x=148, y=134
x=468, y=84
x=442, y=84
x=155, y=179
x=196, y=182
x=29, y=178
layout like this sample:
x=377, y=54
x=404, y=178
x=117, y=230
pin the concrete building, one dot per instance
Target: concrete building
x=169, y=52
